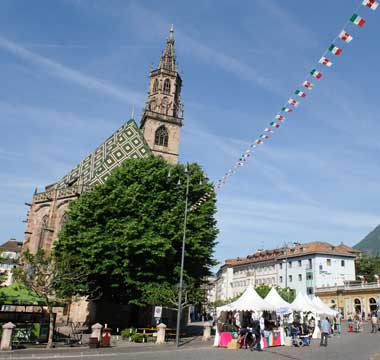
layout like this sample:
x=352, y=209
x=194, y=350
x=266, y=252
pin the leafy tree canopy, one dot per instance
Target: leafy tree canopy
x=128, y=231
x=368, y=266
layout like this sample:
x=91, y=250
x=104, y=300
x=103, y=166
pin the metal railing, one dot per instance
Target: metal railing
x=372, y=285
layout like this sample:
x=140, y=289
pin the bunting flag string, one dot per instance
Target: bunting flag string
x=334, y=49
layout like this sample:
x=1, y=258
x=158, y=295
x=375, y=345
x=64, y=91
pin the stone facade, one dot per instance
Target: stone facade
x=162, y=119
x=352, y=297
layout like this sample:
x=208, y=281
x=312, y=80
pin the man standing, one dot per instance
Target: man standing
x=325, y=331
x=338, y=323
x=374, y=322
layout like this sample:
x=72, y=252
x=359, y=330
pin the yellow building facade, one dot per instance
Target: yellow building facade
x=352, y=298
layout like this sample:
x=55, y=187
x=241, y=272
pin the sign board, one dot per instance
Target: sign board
x=158, y=311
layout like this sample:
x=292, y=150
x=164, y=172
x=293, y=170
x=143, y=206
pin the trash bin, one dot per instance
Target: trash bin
x=106, y=337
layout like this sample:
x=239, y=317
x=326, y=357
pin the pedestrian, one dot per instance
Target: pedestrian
x=325, y=331
x=257, y=332
x=374, y=322
x=338, y=324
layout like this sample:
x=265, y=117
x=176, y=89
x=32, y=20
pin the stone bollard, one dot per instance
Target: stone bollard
x=97, y=331
x=161, y=334
x=207, y=331
x=6, y=338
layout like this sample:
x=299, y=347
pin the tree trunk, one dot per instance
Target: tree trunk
x=51, y=327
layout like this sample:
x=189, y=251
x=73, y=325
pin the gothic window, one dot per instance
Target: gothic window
x=161, y=137
x=43, y=232
x=64, y=220
x=155, y=86
x=167, y=86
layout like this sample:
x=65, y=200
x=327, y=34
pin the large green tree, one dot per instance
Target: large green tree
x=128, y=231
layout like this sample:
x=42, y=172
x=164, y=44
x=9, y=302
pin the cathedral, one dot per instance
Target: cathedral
x=158, y=134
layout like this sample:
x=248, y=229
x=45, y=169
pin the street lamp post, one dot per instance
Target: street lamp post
x=187, y=173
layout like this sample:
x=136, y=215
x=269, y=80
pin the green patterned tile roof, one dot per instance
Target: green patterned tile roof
x=126, y=143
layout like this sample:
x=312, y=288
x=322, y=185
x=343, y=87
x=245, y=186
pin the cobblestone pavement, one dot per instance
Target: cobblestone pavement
x=348, y=346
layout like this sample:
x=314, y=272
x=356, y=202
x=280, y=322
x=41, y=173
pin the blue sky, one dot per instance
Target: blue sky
x=72, y=70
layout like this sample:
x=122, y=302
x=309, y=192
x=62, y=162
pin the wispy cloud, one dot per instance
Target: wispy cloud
x=66, y=73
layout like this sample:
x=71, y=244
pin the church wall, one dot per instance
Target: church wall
x=170, y=152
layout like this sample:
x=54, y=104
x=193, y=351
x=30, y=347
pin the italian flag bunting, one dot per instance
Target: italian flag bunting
x=315, y=73
x=335, y=50
x=286, y=109
x=372, y=4
x=274, y=124
x=357, y=20
x=293, y=102
x=258, y=141
x=308, y=85
x=345, y=36
x=264, y=136
x=325, y=61
x=268, y=130
x=300, y=93
x=280, y=117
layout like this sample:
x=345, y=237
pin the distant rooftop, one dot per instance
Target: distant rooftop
x=317, y=247
x=12, y=245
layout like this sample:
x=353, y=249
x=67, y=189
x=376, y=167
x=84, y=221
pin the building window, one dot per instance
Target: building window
x=299, y=277
x=290, y=278
x=167, y=86
x=299, y=263
x=309, y=291
x=161, y=137
x=280, y=279
x=43, y=232
x=155, y=86
x=309, y=276
x=342, y=263
x=328, y=262
x=280, y=266
x=310, y=264
x=290, y=264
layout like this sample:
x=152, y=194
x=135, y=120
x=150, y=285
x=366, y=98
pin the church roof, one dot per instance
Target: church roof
x=126, y=143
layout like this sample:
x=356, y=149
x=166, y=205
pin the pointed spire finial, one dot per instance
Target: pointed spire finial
x=133, y=112
x=171, y=33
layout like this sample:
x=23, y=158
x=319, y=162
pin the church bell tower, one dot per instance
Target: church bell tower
x=162, y=118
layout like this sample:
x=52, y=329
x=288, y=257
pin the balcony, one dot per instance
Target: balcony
x=372, y=285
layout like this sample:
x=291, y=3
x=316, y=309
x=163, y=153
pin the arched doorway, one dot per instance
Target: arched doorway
x=332, y=304
x=357, y=306
x=372, y=305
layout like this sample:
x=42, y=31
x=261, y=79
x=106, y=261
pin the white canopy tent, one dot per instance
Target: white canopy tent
x=302, y=303
x=249, y=301
x=278, y=302
x=324, y=308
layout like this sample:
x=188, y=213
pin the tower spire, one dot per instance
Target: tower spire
x=168, y=56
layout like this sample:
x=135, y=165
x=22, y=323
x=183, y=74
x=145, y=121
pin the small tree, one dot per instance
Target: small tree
x=166, y=295
x=53, y=282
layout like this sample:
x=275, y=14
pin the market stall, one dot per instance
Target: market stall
x=239, y=314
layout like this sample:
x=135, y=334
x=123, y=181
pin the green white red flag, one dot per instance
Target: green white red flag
x=258, y=141
x=357, y=20
x=293, y=102
x=335, y=50
x=325, y=61
x=308, y=85
x=264, y=136
x=300, y=93
x=280, y=117
x=316, y=74
x=286, y=109
x=345, y=36
x=268, y=130
x=275, y=125
x=372, y=4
